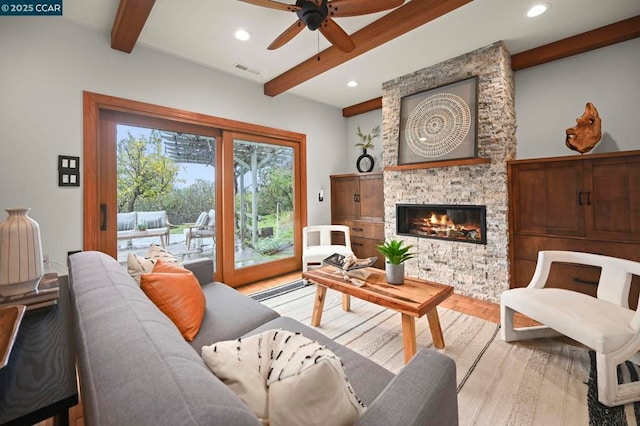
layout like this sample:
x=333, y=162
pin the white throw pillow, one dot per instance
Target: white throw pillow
x=138, y=265
x=157, y=252
x=286, y=379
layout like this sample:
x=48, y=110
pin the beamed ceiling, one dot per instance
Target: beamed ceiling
x=389, y=44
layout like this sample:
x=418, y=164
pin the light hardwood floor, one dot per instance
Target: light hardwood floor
x=467, y=305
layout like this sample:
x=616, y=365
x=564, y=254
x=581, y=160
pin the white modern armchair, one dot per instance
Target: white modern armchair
x=316, y=244
x=603, y=323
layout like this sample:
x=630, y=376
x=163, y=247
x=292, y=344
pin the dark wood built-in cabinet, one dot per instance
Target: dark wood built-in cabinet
x=587, y=203
x=357, y=200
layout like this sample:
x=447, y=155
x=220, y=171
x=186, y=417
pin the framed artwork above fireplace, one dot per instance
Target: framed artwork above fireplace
x=439, y=124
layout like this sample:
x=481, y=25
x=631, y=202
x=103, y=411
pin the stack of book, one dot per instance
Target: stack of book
x=46, y=294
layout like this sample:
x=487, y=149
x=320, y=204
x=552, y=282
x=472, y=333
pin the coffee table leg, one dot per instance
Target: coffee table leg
x=408, y=337
x=434, y=326
x=318, y=305
x=346, y=302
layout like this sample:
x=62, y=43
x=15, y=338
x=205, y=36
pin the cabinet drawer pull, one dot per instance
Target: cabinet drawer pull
x=357, y=244
x=581, y=281
x=358, y=229
x=579, y=198
x=589, y=198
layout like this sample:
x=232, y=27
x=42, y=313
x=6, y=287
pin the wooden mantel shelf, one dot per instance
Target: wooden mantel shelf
x=434, y=164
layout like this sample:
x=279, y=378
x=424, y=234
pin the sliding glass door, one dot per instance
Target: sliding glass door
x=263, y=199
x=222, y=189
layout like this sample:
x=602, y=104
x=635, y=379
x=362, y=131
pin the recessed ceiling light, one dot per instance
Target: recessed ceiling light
x=352, y=83
x=242, y=35
x=538, y=9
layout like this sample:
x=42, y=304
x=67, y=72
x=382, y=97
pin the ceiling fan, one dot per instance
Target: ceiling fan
x=319, y=14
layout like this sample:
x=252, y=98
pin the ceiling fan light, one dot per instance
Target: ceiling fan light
x=538, y=9
x=242, y=35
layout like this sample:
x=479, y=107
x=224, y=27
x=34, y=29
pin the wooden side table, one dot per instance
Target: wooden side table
x=40, y=379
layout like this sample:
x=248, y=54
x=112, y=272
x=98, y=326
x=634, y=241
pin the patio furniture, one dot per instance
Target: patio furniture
x=603, y=323
x=154, y=224
x=204, y=227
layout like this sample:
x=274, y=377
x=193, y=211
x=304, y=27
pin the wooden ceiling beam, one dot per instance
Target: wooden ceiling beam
x=130, y=19
x=591, y=40
x=362, y=107
x=396, y=23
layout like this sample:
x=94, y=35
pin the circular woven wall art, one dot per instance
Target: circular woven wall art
x=438, y=125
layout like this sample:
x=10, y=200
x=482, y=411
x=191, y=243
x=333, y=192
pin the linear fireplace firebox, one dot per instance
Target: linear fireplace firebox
x=446, y=222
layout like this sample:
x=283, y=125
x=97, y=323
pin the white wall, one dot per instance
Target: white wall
x=46, y=64
x=549, y=97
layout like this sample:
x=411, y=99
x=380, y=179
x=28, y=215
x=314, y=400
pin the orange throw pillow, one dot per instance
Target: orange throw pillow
x=177, y=293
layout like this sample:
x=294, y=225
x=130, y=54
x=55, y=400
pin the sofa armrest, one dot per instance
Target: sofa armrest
x=422, y=393
x=202, y=268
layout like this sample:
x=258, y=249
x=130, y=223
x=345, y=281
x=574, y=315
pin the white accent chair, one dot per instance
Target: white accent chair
x=603, y=323
x=316, y=244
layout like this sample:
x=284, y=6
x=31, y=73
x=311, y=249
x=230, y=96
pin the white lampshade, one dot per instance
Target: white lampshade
x=21, y=265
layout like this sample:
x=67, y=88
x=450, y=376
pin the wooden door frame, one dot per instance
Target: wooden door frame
x=94, y=103
x=244, y=275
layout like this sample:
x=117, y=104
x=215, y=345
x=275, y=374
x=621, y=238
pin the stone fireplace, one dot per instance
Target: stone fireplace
x=477, y=270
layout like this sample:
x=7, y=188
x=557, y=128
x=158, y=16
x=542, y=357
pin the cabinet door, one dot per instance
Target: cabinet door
x=612, y=197
x=344, y=192
x=371, y=198
x=366, y=247
x=545, y=198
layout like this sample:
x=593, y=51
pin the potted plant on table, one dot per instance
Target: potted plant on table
x=396, y=254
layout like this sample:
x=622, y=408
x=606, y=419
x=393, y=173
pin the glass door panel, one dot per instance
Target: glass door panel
x=166, y=192
x=264, y=202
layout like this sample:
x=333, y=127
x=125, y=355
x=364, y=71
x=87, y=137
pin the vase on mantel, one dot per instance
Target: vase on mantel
x=21, y=265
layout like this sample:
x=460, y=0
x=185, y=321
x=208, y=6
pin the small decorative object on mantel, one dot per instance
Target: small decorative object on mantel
x=21, y=264
x=365, y=162
x=396, y=254
x=587, y=132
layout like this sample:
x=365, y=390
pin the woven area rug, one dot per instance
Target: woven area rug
x=541, y=382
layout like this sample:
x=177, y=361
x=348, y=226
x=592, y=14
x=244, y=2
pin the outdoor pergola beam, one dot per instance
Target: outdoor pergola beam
x=130, y=19
x=396, y=23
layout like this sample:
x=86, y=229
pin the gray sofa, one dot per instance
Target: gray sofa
x=136, y=368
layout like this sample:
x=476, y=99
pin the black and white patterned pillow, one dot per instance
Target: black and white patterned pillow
x=286, y=379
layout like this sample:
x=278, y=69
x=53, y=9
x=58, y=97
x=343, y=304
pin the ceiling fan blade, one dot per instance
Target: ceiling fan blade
x=287, y=35
x=273, y=5
x=342, y=8
x=336, y=35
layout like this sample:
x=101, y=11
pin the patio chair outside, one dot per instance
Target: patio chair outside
x=204, y=227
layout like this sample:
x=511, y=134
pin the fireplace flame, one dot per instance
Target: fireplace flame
x=442, y=220
x=442, y=225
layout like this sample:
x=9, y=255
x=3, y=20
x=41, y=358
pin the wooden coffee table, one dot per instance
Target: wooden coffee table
x=413, y=299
